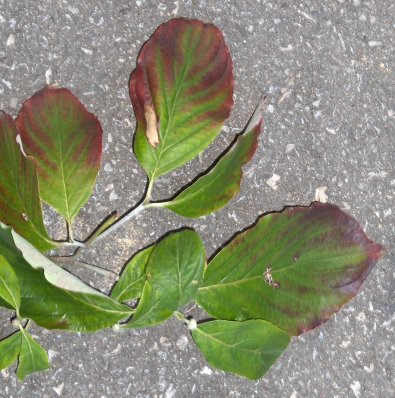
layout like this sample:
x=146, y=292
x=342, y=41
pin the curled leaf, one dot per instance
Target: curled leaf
x=53, y=307
x=213, y=190
x=132, y=280
x=20, y=205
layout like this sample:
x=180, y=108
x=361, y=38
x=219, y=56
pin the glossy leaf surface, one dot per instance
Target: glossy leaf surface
x=32, y=357
x=132, y=280
x=55, y=308
x=9, y=285
x=181, y=92
x=174, y=272
x=66, y=141
x=246, y=348
x=213, y=190
x=151, y=310
x=10, y=348
x=20, y=205
x=317, y=256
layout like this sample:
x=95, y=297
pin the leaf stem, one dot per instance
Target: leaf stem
x=122, y=220
x=145, y=203
x=74, y=243
x=156, y=204
x=179, y=315
x=148, y=195
x=105, y=272
x=70, y=260
x=69, y=231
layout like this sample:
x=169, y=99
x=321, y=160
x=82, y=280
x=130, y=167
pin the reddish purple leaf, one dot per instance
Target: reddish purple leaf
x=66, y=141
x=294, y=268
x=181, y=92
x=213, y=190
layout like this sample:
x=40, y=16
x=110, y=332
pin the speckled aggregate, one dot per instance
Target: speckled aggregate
x=327, y=67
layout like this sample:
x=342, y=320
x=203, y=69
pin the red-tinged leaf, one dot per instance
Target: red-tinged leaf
x=294, y=268
x=20, y=205
x=213, y=190
x=181, y=92
x=66, y=141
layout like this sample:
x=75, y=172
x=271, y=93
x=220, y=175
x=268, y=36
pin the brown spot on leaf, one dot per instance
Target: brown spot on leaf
x=152, y=127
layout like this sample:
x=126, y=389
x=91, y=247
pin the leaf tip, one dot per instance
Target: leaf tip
x=257, y=117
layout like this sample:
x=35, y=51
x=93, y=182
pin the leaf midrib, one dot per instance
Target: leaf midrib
x=242, y=280
x=10, y=293
x=170, y=113
x=230, y=346
x=59, y=142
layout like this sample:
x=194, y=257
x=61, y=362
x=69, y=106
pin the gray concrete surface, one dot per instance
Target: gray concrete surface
x=328, y=68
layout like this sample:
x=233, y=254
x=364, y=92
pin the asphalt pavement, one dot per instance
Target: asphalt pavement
x=328, y=69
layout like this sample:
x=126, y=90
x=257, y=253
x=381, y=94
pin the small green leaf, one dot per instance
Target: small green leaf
x=246, y=348
x=175, y=268
x=213, y=190
x=151, y=310
x=66, y=141
x=102, y=227
x=174, y=273
x=20, y=205
x=132, y=280
x=294, y=268
x=32, y=358
x=9, y=285
x=53, y=307
x=10, y=348
x=181, y=91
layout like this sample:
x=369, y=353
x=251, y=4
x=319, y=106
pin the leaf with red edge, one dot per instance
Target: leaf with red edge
x=294, y=268
x=213, y=190
x=20, y=205
x=66, y=141
x=181, y=92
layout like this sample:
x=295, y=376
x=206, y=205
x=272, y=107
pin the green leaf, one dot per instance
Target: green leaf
x=317, y=256
x=132, y=280
x=151, y=310
x=20, y=205
x=9, y=285
x=10, y=348
x=181, y=91
x=213, y=190
x=53, y=273
x=66, y=141
x=246, y=348
x=32, y=358
x=56, y=308
x=102, y=227
x=174, y=273
x=175, y=268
